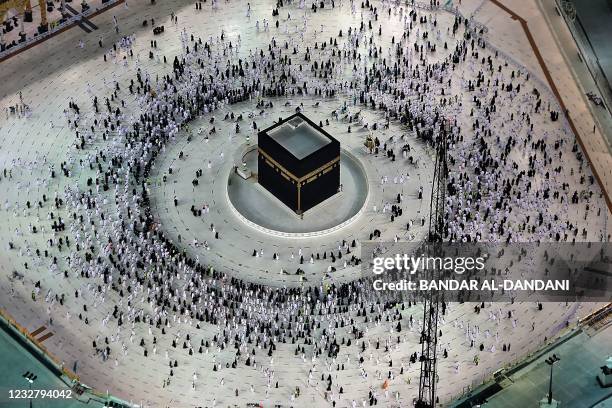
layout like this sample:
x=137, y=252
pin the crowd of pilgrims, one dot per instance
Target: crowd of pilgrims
x=506, y=179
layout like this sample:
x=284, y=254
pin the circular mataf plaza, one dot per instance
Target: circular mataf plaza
x=187, y=191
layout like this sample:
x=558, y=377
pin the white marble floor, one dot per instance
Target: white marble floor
x=51, y=75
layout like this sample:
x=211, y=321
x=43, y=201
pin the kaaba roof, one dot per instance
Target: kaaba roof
x=300, y=136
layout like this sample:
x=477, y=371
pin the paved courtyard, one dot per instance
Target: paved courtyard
x=574, y=377
x=105, y=260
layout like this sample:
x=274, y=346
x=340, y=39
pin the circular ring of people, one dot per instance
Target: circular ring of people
x=174, y=296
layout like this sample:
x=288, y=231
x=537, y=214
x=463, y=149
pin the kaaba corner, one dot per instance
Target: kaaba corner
x=298, y=162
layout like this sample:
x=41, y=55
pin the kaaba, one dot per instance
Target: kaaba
x=298, y=162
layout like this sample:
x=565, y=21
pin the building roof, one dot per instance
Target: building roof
x=299, y=136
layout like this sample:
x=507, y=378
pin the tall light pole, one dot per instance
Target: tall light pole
x=30, y=377
x=551, y=362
